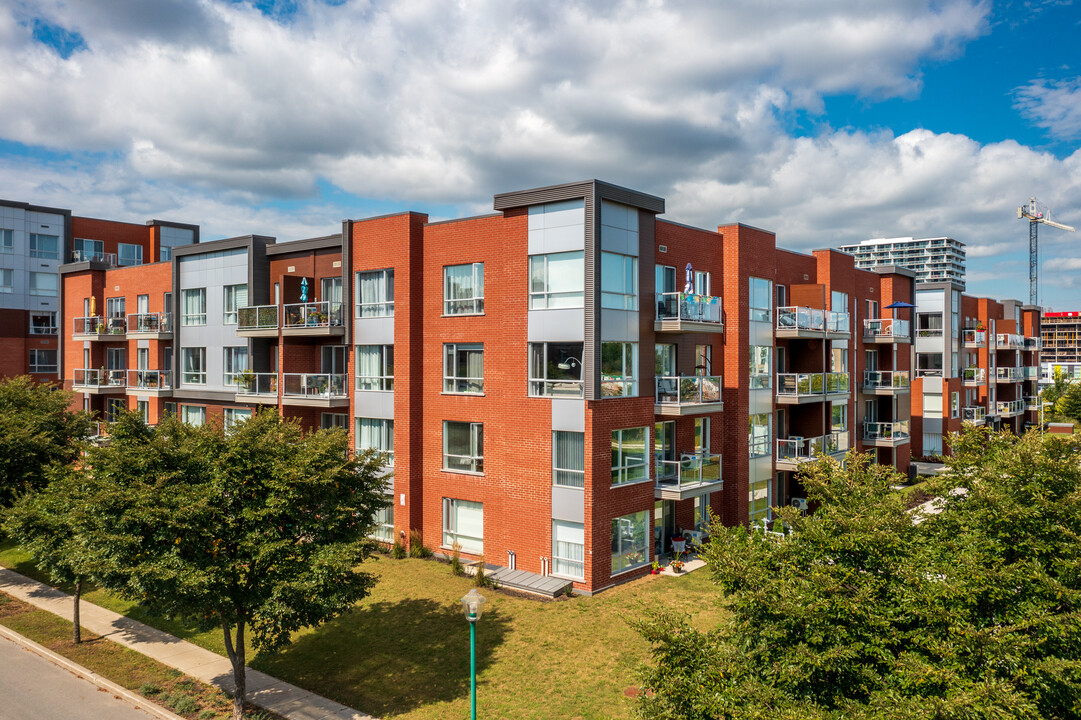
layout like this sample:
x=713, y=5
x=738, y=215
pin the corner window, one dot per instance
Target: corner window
x=928, y=324
x=235, y=297
x=463, y=523
x=760, y=297
x=463, y=289
x=375, y=367
x=376, y=434
x=44, y=284
x=619, y=369
x=463, y=368
x=629, y=455
x=569, y=459
x=128, y=254
x=193, y=306
x=569, y=549
x=555, y=369
x=759, y=435
x=557, y=280
x=761, y=367
x=619, y=281
x=375, y=293
x=839, y=417
x=630, y=541
x=44, y=246
x=463, y=447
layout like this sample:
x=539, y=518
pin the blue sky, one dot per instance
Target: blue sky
x=828, y=122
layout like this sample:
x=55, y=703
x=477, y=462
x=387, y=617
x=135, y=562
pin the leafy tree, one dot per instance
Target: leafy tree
x=37, y=430
x=1058, y=386
x=1069, y=404
x=258, y=529
x=861, y=612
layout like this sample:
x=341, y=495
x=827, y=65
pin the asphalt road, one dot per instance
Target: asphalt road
x=32, y=688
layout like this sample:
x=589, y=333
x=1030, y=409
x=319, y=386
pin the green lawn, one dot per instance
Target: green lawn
x=404, y=652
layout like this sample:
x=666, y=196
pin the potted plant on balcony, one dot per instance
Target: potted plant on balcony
x=245, y=380
x=677, y=563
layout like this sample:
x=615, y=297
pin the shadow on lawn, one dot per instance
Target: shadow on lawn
x=389, y=657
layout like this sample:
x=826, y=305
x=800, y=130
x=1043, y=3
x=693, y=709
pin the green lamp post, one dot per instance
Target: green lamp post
x=473, y=604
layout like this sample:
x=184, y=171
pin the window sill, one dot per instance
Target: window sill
x=624, y=571
x=461, y=472
x=633, y=483
x=457, y=315
x=466, y=394
x=568, y=577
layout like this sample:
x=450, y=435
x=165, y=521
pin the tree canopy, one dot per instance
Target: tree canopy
x=862, y=611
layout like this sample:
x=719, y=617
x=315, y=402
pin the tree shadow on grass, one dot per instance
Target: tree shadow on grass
x=389, y=658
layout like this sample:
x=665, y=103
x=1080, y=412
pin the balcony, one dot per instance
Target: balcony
x=974, y=338
x=1032, y=344
x=885, y=434
x=1010, y=408
x=1008, y=375
x=688, y=395
x=973, y=376
x=104, y=329
x=100, y=381
x=692, y=475
x=317, y=319
x=885, y=382
x=975, y=415
x=99, y=257
x=253, y=387
x=680, y=312
x=1030, y=374
x=805, y=322
x=887, y=330
x=151, y=326
x=1009, y=341
x=315, y=390
x=800, y=388
x=150, y=382
x=793, y=451
x=257, y=321
x=1032, y=403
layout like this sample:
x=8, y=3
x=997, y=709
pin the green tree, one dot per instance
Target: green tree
x=256, y=530
x=1069, y=403
x=1054, y=391
x=37, y=430
x=862, y=612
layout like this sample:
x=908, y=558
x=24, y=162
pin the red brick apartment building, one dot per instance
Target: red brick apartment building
x=561, y=386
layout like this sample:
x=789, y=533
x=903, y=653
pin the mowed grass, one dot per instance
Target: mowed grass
x=404, y=651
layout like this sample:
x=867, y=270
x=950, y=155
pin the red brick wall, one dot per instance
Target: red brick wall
x=112, y=233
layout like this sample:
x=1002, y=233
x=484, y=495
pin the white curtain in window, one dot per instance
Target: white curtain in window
x=468, y=524
x=375, y=434
x=194, y=302
x=569, y=458
x=369, y=365
x=568, y=548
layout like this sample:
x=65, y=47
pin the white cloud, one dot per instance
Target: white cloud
x=1053, y=105
x=990, y=250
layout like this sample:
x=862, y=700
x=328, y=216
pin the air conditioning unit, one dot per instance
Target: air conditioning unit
x=690, y=461
x=800, y=504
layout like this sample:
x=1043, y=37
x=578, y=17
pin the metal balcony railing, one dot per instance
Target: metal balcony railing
x=690, y=470
x=973, y=375
x=688, y=390
x=896, y=379
x=1009, y=341
x=257, y=317
x=800, y=449
x=1008, y=374
x=1010, y=407
x=249, y=383
x=86, y=255
x=801, y=318
x=886, y=328
x=1032, y=343
x=91, y=377
x=98, y=325
x=809, y=384
x=150, y=322
x=976, y=338
x=974, y=414
x=886, y=430
x=150, y=379
x=320, y=385
x=691, y=308
x=313, y=314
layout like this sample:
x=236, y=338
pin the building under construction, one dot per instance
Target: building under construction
x=1061, y=335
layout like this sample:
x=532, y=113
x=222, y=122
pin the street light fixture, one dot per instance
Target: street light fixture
x=473, y=604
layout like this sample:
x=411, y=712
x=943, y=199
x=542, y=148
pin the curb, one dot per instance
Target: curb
x=140, y=702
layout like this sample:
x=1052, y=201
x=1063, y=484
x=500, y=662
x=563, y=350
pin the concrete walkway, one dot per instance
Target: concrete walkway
x=278, y=697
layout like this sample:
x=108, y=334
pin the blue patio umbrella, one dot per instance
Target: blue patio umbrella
x=899, y=304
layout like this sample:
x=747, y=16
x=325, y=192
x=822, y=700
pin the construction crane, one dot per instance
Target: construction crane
x=1036, y=213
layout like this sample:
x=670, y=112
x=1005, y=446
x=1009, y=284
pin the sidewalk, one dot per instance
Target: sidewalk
x=278, y=697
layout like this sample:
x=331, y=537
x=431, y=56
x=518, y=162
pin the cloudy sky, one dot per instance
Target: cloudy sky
x=828, y=121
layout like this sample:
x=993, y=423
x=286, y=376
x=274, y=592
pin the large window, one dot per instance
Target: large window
x=193, y=363
x=839, y=417
x=928, y=364
x=43, y=361
x=619, y=369
x=193, y=306
x=463, y=447
x=44, y=284
x=113, y=408
x=7, y=241
x=619, y=281
x=7, y=280
x=235, y=362
x=463, y=368
x=375, y=293
x=759, y=434
x=463, y=289
x=928, y=324
x=115, y=307
x=376, y=434
x=569, y=458
x=629, y=448
x=761, y=367
x=232, y=416
x=235, y=296
x=193, y=414
x=555, y=369
x=761, y=297
x=43, y=323
x=84, y=250
x=630, y=541
x=384, y=523
x=463, y=523
x=44, y=246
x=569, y=549
x=334, y=420
x=557, y=280
x=375, y=367
x=129, y=254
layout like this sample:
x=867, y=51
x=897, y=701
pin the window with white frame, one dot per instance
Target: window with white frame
x=44, y=284
x=193, y=306
x=143, y=408
x=839, y=417
x=333, y=420
x=384, y=523
x=759, y=434
x=569, y=549
x=7, y=280
x=463, y=523
x=955, y=405
x=234, y=364
x=232, y=416
x=619, y=369
x=630, y=541
x=43, y=323
x=619, y=281
x=375, y=367
x=760, y=297
x=376, y=434
x=7, y=240
x=193, y=365
x=557, y=280
x=463, y=289
x=42, y=361
x=115, y=307
x=234, y=298
x=932, y=405
x=128, y=254
x=193, y=415
x=629, y=448
x=44, y=246
x=761, y=367
x=463, y=446
x=463, y=368
x=555, y=369
x=375, y=293
x=568, y=458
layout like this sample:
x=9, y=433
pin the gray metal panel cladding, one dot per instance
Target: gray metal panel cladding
x=569, y=191
x=646, y=304
x=347, y=282
x=591, y=348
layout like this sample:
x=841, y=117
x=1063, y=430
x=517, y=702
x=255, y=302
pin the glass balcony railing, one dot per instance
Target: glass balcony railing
x=313, y=315
x=249, y=383
x=1032, y=402
x=98, y=325
x=896, y=380
x=149, y=379
x=974, y=414
x=837, y=322
x=801, y=449
x=688, y=390
x=690, y=470
x=1009, y=341
x=1030, y=373
x=150, y=323
x=89, y=255
x=974, y=338
x=315, y=386
x=90, y=377
x=973, y=375
x=1032, y=343
x=1010, y=408
x=810, y=384
x=886, y=328
x=689, y=308
x=801, y=318
x=885, y=430
x=257, y=317
x=1008, y=374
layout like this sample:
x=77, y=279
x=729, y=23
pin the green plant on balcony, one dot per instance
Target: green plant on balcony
x=245, y=380
x=816, y=383
x=267, y=317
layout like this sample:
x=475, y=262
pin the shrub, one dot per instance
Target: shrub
x=149, y=688
x=182, y=704
x=417, y=548
x=397, y=550
x=207, y=714
x=456, y=559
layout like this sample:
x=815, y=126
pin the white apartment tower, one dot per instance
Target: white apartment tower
x=940, y=259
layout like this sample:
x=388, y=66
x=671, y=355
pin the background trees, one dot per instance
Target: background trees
x=862, y=613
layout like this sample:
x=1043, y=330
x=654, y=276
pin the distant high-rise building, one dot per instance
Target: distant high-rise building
x=940, y=259
x=1061, y=334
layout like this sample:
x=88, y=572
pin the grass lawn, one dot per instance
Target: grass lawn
x=404, y=651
